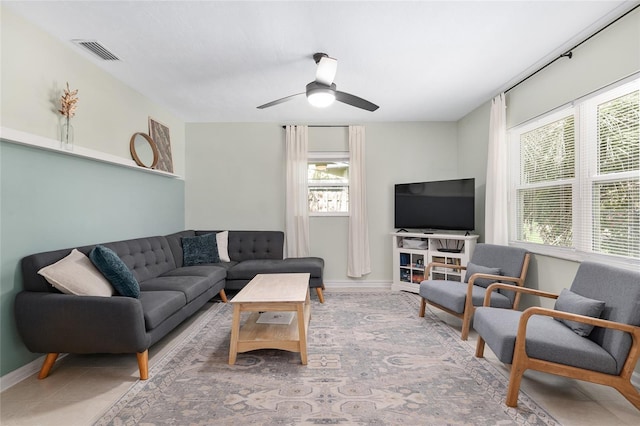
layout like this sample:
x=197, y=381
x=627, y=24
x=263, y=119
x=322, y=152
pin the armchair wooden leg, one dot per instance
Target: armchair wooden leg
x=480, y=348
x=423, y=306
x=320, y=295
x=48, y=363
x=630, y=392
x=223, y=296
x=143, y=364
x=514, y=385
x=466, y=325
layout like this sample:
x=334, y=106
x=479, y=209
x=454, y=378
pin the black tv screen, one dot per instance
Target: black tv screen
x=445, y=204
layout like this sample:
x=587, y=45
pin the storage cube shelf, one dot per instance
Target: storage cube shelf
x=412, y=252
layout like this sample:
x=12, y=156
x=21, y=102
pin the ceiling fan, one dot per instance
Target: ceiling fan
x=322, y=91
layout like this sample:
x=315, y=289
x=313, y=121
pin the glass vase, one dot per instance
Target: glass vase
x=66, y=137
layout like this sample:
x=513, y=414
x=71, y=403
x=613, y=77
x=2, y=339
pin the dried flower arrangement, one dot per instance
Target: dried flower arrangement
x=68, y=105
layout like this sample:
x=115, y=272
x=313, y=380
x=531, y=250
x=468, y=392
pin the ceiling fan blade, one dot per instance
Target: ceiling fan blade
x=355, y=101
x=279, y=101
x=326, y=71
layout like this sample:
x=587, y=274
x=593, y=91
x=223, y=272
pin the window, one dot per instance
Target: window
x=328, y=183
x=575, y=178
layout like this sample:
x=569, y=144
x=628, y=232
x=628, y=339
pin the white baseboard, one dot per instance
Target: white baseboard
x=355, y=284
x=16, y=376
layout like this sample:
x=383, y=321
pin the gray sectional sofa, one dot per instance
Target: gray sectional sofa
x=52, y=322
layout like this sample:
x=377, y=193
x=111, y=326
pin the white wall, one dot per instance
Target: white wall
x=473, y=139
x=235, y=180
x=608, y=57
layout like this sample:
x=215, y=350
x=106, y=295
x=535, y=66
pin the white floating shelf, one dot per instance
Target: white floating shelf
x=28, y=139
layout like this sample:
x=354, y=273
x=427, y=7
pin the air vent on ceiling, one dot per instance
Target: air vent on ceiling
x=97, y=49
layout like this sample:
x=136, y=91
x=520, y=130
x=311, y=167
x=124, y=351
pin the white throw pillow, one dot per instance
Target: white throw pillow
x=75, y=274
x=222, y=240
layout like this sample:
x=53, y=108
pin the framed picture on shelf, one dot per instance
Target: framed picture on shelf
x=160, y=135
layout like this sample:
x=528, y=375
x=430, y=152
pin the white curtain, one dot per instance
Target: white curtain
x=359, y=261
x=496, y=216
x=296, y=210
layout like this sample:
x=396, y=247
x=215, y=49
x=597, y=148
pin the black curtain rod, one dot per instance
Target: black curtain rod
x=569, y=53
x=320, y=125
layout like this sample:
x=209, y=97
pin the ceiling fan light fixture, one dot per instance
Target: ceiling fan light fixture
x=321, y=99
x=321, y=96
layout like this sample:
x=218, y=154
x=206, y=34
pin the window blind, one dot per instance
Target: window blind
x=576, y=176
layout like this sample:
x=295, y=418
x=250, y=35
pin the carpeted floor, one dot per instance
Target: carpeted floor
x=372, y=360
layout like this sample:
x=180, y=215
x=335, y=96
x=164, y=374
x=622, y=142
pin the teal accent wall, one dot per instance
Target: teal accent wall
x=51, y=200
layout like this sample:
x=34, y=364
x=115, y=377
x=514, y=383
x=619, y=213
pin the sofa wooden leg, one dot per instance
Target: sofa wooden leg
x=423, y=306
x=223, y=296
x=320, y=295
x=143, y=364
x=48, y=363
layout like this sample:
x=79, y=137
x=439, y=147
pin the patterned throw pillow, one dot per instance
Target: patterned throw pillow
x=115, y=270
x=200, y=249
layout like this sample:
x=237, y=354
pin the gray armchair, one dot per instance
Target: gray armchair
x=489, y=263
x=573, y=340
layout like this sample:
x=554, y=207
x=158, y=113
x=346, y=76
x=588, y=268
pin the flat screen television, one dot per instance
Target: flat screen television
x=444, y=205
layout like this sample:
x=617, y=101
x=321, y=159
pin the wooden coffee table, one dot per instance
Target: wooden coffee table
x=272, y=293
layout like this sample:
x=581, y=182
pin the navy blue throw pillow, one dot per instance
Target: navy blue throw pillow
x=115, y=271
x=200, y=249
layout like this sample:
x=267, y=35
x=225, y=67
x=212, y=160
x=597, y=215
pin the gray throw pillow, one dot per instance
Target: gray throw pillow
x=569, y=301
x=200, y=249
x=472, y=268
x=115, y=271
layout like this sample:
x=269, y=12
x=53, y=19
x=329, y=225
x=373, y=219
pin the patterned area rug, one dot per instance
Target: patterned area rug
x=371, y=360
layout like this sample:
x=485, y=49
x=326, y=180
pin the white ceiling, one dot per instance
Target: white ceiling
x=215, y=61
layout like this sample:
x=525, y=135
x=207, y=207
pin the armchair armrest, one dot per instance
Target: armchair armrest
x=496, y=286
x=53, y=322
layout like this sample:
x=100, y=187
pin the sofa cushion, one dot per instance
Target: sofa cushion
x=569, y=301
x=115, y=271
x=216, y=271
x=472, y=268
x=157, y=306
x=546, y=339
x=190, y=286
x=254, y=245
x=145, y=257
x=200, y=249
x=175, y=244
x=312, y=265
x=248, y=269
x=75, y=274
x=452, y=295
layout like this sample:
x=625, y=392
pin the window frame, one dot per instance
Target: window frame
x=586, y=174
x=329, y=156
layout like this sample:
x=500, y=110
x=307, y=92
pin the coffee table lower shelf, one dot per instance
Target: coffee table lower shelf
x=251, y=335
